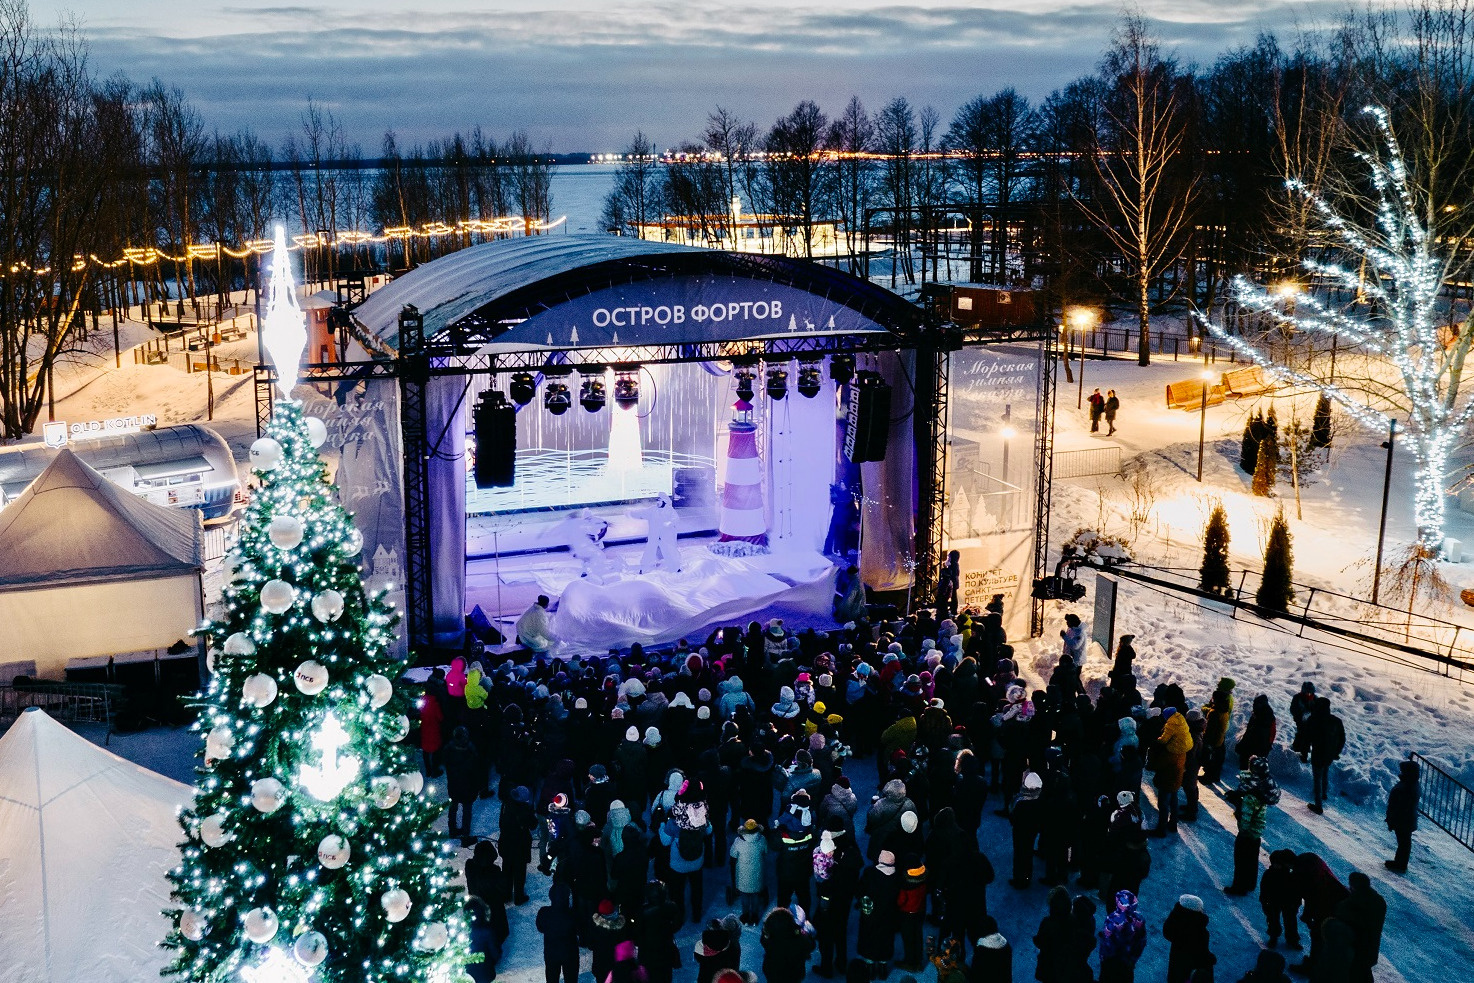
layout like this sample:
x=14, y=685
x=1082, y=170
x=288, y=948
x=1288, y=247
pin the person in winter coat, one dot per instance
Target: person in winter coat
x=884, y=816
x=786, y=947
x=719, y=949
x=608, y=929
x=1026, y=817
x=1196, y=724
x=628, y=967
x=465, y=777
x=748, y=869
x=755, y=786
x=655, y=934
x=1300, y=707
x=1279, y=899
x=1186, y=928
x=1122, y=941
x=1257, y=791
x=1074, y=639
x=795, y=837
x=684, y=833
x=632, y=770
x=432, y=720
x=1109, y=410
x=1259, y=733
x=837, y=866
x=992, y=957
x=484, y=941
x=514, y=836
x=1365, y=911
x=1126, y=846
x=1322, y=893
x=1219, y=711
x=1402, y=814
x=969, y=794
x=1083, y=912
x=599, y=793
x=630, y=868
x=876, y=899
x=1057, y=941
x=559, y=927
x=1171, y=753
x=840, y=803
x=911, y=914
x=485, y=880
x=1269, y=968
x=1096, y=402
x=1326, y=739
x=1336, y=943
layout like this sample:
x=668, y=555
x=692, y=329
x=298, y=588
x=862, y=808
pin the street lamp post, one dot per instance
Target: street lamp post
x=1382, y=526
x=1203, y=422
x=1078, y=319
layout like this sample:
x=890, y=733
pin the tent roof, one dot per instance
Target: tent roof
x=72, y=525
x=85, y=841
x=508, y=280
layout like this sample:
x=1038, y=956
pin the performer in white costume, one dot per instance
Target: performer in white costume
x=535, y=627
x=584, y=533
x=661, y=551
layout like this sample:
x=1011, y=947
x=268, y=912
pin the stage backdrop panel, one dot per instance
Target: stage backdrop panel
x=888, y=508
x=992, y=478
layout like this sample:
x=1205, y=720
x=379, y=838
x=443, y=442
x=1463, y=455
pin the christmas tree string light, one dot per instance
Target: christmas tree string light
x=309, y=855
x=1404, y=275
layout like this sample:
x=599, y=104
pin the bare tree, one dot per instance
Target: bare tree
x=531, y=180
x=1146, y=187
x=734, y=141
x=176, y=147
x=634, y=200
x=794, y=170
x=991, y=136
x=852, y=140
x=896, y=140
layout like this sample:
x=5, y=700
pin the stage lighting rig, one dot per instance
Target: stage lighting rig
x=556, y=398
x=777, y=383
x=744, y=384
x=591, y=395
x=523, y=388
x=627, y=388
x=809, y=382
x=841, y=368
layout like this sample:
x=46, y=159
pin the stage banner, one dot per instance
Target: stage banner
x=363, y=449
x=888, y=508
x=992, y=476
x=446, y=408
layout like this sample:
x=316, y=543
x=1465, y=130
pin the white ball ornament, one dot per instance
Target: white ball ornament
x=317, y=432
x=327, y=606
x=277, y=596
x=353, y=542
x=311, y=677
x=212, y=830
x=268, y=795
x=412, y=782
x=311, y=948
x=285, y=532
x=191, y=925
x=210, y=660
x=386, y=792
x=333, y=852
x=379, y=690
x=266, y=454
x=260, y=925
x=259, y=690
x=396, y=904
x=239, y=644
x=432, y=937
x=221, y=736
x=398, y=728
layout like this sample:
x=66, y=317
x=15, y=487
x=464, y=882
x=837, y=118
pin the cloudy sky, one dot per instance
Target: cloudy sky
x=584, y=74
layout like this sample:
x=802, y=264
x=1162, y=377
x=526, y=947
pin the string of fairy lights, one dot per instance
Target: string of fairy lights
x=337, y=239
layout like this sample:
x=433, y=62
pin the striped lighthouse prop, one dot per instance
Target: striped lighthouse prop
x=742, y=517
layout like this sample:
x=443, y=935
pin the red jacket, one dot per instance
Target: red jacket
x=431, y=718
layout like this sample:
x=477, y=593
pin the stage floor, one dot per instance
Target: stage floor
x=661, y=607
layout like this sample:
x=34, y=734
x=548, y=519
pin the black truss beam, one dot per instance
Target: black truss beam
x=1043, y=460
x=414, y=379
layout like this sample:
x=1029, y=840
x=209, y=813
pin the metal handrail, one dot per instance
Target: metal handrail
x=1445, y=801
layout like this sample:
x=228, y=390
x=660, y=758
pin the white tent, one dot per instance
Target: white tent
x=90, y=569
x=85, y=841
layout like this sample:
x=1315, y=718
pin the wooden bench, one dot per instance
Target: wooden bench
x=1188, y=394
x=1247, y=382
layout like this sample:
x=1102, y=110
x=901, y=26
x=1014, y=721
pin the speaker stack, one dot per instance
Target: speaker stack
x=496, y=440
x=868, y=419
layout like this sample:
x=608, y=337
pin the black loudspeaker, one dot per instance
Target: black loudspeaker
x=868, y=422
x=496, y=440
x=694, y=488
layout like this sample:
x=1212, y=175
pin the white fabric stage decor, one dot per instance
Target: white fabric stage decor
x=85, y=841
x=663, y=606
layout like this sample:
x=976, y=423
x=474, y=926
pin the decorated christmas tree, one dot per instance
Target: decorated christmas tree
x=309, y=854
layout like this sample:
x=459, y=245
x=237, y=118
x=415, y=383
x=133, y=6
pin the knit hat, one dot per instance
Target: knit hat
x=1033, y=781
x=908, y=821
x=597, y=771
x=1191, y=902
x=834, y=824
x=820, y=708
x=703, y=713
x=775, y=628
x=633, y=734
x=1226, y=684
x=1124, y=799
x=887, y=858
x=751, y=826
x=1169, y=713
x=994, y=941
x=703, y=695
x=843, y=781
x=580, y=704
x=916, y=873
x=560, y=801
x=606, y=907
x=652, y=737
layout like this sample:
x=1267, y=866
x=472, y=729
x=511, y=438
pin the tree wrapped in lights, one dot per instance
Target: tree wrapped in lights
x=1398, y=262
x=308, y=853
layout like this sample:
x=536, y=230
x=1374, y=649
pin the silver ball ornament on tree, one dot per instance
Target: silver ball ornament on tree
x=379, y=690
x=213, y=832
x=285, y=532
x=239, y=644
x=266, y=454
x=311, y=948
x=259, y=690
x=311, y=677
x=396, y=903
x=191, y=925
x=260, y=925
x=277, y=596
x=432, y=937
x=412, y=782
x=327, y=606
x=386, y=792
x=333, y=852
x=352, y=542
x=268, y=795
x=398, y=728
x=222, y=737
x=317, y=432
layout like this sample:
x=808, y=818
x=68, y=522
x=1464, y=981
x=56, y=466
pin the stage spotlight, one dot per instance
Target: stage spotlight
x=556, y=398
x=777, y=383
x=809, y=382
x=841, y=368
x=744, y=384
x=627, y=389
x=591, y=395
x=523, y=388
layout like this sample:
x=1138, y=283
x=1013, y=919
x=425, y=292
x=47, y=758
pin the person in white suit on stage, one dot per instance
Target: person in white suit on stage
x=661, y=551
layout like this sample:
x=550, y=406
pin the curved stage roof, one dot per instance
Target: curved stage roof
x=494, y=293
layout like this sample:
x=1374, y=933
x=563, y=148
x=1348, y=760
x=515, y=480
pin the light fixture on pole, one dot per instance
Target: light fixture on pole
x=283, y=330
x=1389, y=443
x=1080, y=319
x=1203, y=421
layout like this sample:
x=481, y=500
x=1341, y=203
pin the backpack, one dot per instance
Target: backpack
x=691, y=844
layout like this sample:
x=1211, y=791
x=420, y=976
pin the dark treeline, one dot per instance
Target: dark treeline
x=1145, y=183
